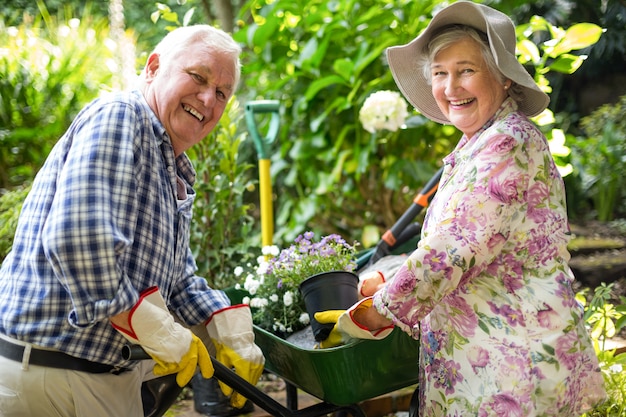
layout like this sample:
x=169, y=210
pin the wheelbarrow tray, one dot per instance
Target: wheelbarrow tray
x=345, y=374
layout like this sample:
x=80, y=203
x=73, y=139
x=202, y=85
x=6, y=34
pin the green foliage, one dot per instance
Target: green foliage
x=10, y=207
x=321, y=60
x=48, y=70
x=544, y=48
x=222, y=227
x=556, y=50
x=600, y=159
x=605, y=320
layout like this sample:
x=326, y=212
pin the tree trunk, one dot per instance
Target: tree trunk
x=125, y=55
x=225, y=14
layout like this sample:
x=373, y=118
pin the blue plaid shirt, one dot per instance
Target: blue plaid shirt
x=108, y=217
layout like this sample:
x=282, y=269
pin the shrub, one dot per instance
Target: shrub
x=49, y=69
x=10, y=207
x=322, y=59
x=605, y=321
x=600, y=159
x=222, y=235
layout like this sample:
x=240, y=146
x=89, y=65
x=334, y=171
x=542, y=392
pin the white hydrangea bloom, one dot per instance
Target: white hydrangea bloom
x=261, y=269
x=279, y=327
x=383, y=110
x=251, y=284
x=273, y=298
x=304, y=318
x=258, y=302
x=271, y=250
x=288, y=298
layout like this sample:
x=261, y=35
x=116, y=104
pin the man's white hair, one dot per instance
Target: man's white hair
x=181, y=38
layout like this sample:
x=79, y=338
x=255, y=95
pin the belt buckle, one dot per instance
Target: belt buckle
x=118, y=370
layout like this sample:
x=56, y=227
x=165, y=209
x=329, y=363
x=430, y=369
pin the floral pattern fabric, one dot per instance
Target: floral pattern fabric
x=488, y=289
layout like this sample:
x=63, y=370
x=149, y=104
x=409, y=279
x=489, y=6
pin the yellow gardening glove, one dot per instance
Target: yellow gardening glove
x=231, y=331
x=197, y=356
x=174, y=348
x=335, y=337
x=346, y=328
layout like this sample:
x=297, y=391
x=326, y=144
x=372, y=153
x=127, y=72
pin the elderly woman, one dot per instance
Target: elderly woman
x=488, y=289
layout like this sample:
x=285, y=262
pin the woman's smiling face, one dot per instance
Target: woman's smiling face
x=465, y=90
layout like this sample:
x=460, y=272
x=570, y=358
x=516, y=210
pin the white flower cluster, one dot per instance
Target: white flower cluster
x=254, y=280
x=383, y=110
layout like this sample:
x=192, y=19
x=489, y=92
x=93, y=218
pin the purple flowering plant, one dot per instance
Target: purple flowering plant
x=274, y=283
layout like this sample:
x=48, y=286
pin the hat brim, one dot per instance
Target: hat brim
x=403, y=60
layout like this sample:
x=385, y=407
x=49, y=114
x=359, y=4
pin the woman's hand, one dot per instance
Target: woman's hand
x=370, y=282
x=369, y=318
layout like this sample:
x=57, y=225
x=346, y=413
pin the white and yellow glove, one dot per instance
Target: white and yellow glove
x=174, y=348
x=369, y=283
x=231, y=331
x=346, y=328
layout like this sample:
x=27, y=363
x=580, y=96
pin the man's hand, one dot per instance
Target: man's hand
x=174, y=348
x=231, y=331
x=348, y=326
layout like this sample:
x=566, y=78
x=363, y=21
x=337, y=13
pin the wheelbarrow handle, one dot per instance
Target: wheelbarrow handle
x=136, y=352
x=403, y=229
x=227, y=376
x=251, y=392
x=420, y=202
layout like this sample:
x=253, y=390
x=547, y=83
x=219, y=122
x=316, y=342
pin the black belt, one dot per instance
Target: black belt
x=55, y=359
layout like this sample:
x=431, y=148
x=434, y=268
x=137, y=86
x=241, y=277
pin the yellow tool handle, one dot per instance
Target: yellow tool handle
x=265, y=197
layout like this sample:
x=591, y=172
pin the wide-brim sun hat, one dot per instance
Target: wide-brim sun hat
x=500, y=30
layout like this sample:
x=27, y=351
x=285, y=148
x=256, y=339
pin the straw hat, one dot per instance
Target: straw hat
x=500, y=30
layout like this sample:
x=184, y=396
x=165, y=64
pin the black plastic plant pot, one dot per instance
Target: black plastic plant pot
x=333, y=290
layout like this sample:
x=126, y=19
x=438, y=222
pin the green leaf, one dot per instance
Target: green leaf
x=548, y=349
x=567, y=64
x=577, y=37
x=154, y=16
x=308, y=52
x=320, y=84
x=263, y=33
x=170, y=16
x=483, y=326
x=374, y=54
x=344, y=68
x=188, y=16
x=528, y=52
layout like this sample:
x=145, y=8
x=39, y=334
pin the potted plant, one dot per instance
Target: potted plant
x=274, y=284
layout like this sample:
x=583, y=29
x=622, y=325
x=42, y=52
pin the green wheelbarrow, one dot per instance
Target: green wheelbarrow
x=341, y=377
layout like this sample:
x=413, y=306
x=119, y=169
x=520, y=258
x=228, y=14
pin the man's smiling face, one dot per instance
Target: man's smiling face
x=189, y=93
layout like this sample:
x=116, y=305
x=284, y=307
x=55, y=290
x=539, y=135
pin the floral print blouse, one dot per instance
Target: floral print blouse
x=488, y=289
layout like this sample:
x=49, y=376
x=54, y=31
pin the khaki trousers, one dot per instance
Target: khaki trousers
x=48, y=392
